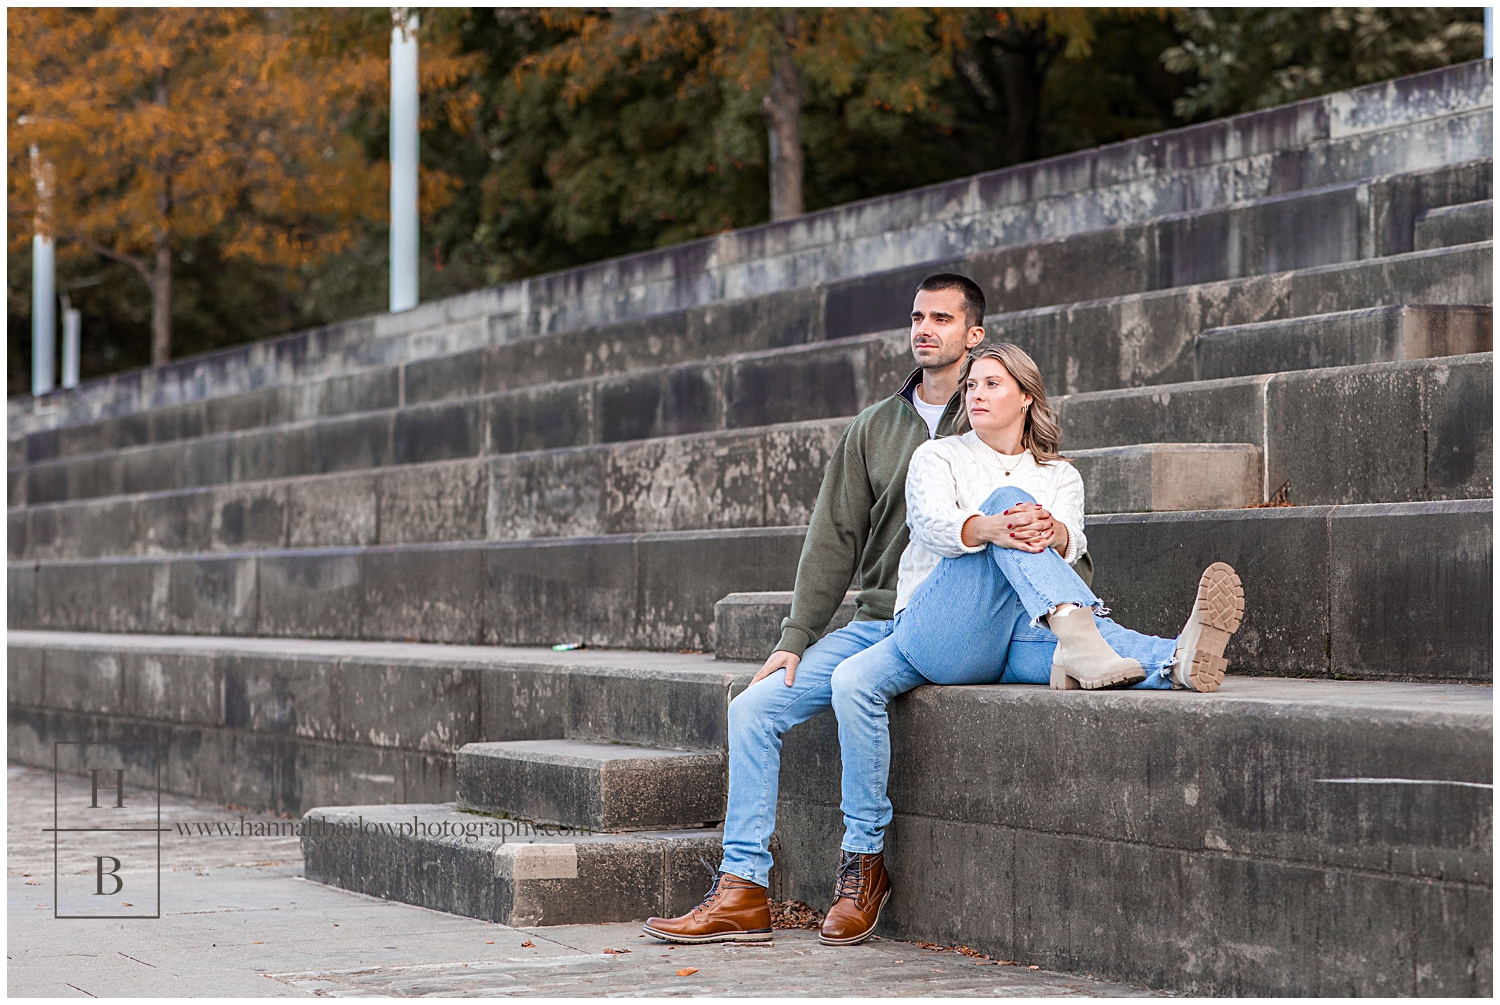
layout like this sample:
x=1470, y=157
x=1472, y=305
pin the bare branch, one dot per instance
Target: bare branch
x=99, y=249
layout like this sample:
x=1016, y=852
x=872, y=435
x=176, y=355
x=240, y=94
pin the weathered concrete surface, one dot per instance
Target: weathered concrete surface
x=648, y=591
x=765, y=477
x=1348, y=338
x=1342, y=830
x=747, y=626
x=1381, y=432
x=1158, y=477
x=1301, y=230
x=1447, y=226
x=1144, y=339
x=658, y=591
x=1426, y=121
x=1323, y=598
x=596, y=786
x=1323, y=594
x=239, y=919
x=285, y=725
x=440, y=857
x=1018, y=279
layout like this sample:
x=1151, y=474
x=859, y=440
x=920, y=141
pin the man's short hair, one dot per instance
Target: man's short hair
x=973, y=295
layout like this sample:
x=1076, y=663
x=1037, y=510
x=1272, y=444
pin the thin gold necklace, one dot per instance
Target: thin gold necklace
x=1013, y=467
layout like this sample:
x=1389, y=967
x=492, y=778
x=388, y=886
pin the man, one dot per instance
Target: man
x=858, y=525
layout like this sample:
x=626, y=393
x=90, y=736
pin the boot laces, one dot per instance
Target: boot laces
x=851, y=878
x=712, y=894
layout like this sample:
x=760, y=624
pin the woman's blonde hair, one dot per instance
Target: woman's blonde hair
x=1041, y=435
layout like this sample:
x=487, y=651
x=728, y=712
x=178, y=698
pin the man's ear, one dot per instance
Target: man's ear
x=976, y=336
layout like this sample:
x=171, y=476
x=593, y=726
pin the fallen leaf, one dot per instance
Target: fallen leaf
x=687, y=971
x=490, y=943
x=528, y=944
x=616, y=952
x=1033, y=967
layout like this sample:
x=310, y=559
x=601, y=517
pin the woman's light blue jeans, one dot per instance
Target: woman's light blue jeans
x=970, y=622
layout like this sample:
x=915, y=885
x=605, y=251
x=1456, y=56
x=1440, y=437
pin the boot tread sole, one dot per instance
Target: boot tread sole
x=755, y=935
x=1071, y=681
x=1221, y=603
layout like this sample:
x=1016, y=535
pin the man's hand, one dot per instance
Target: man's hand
x=780, y=658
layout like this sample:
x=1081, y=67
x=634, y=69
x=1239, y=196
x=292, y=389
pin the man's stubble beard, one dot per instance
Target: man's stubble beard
x=943, y=362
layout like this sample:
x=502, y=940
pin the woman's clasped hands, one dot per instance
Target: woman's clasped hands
x=1025, y=527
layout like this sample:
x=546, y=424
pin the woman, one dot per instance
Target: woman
x=987, y=593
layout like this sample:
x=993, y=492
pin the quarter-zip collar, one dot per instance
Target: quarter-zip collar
x=950, y=411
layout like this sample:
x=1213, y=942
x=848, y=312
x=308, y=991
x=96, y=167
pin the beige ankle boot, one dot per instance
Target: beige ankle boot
x=1083, y=659
x=1217, y=612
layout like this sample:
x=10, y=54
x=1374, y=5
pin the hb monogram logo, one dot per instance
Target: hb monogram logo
x=106, y=830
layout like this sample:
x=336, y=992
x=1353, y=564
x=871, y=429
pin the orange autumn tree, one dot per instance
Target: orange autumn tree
x=161, y=125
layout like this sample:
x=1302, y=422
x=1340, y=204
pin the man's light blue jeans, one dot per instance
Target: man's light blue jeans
x=972, y=621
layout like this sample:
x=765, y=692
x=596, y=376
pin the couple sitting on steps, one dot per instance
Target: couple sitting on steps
x=989, y=586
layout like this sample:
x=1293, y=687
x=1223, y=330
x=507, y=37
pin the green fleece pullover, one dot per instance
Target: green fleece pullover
x=859, y=521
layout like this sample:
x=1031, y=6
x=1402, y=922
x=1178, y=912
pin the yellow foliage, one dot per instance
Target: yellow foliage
x=178, y=122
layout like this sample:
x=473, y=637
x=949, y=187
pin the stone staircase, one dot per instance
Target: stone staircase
x=327, y=572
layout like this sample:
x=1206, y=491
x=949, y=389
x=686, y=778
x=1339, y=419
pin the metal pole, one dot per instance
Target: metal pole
x=403, y=160
x=43, y=316
x=72, y=330
x=1489, y=33
x=43, y=284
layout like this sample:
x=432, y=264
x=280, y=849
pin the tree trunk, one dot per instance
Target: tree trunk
x=161, y=278
x=1023, y=56
x=161, y=302
x=782, y=108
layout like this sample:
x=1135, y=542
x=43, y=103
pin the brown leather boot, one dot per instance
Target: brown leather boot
x=735, y=910
x=860, y=892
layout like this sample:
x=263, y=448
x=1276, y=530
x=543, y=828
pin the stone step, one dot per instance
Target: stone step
x=1381, y=792
x=747, y=626
x=1385, y=590
x=1374, y=572
x=1382, y=432
x=505, y=871
x=594, y=786
x=755, y=389
x=1348, y=338
x=1340, y=828
x=1426, y=121
x=765, y=477
x=1448, y=226
x=289, y=724
x=1350, y=222
x=1406, y=430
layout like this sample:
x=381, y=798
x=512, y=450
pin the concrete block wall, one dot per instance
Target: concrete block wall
x=1142, y=339
x=1334, y=226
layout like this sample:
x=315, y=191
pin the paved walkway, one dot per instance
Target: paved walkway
x=238, y=919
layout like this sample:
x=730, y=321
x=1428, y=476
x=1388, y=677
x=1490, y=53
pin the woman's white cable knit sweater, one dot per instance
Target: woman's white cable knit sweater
x=949, y=478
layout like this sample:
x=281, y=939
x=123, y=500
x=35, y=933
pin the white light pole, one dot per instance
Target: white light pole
x=43, y=286
x=43, y=316
x=72, y=331
x=1489, y=33
x=403, y=160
